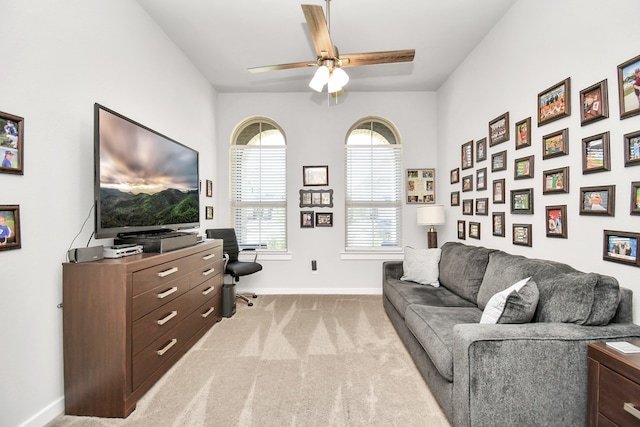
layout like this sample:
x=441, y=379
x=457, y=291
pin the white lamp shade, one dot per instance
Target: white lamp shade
x=337, y=80
x=430, y=215
x=320, y=78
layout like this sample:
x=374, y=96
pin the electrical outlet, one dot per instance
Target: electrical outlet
x=314, y=265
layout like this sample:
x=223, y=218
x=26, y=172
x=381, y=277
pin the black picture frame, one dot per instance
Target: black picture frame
x=499, y=161
x=598, y=200
x=481, y=150
x=595, y=153
x=498, y=191
x=555, y=180
x=594, y=103
x=455, y=198
x=462, y=232
x=315, y=175
x=12, y=143
x=499, y=130
x=522, y=201
x=307, y=219
x=467, y=183
x=209, y=188
x=481, y=179
x=454, y=176
x=482, y=206
x=621, y=247
x=498, y=224
x=627, y=96
x=635, y=198
x=208, y=212
x=10, y=236
x=324, y=219
x=556, y=221
x=523, y=133
x=466, y=155
x=632, y=149
x=554, y=103
x=474, y=230
x=555, y=144
x=467, y=207
x=523, y=167
x=521, y=234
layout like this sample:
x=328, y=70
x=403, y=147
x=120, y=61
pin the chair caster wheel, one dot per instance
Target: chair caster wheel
x=250, y=304
x=255, y=296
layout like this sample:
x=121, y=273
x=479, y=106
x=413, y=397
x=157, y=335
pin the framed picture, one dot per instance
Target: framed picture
x=594, y=103
x=10, y=227
x=481, y=150
x=474, y=230
x=555, y=180
x=12, y=143
x=455, y=198
x=621, y=246
x=523, y=133
x=635, y=198
x=324, y=219
x=598, y=200
x=595, y=153
x=481, y=179
x=555, y=102
x=421, y=186
x=209, y=212
x=498, y=191
x=306, y=219
x=316, y=198
x=209, y=188
x=467, y=207
x=462, y=233
x=632, y=149
x=497, y=220
x=521, y=234
x=522, y=201
x=466, y=160
x=523, y=168
x=556, y=221
x=482, y=206
x=499, y=129
x=499, y=161
x=555, y=144
x=315, y=175
x=467, y=183
x=454, y=176
x=629, y=87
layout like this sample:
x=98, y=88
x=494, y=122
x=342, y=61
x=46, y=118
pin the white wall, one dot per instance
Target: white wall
x=536, y=45
x=58, y=59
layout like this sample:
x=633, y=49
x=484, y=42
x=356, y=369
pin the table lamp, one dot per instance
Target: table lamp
x=431, y=215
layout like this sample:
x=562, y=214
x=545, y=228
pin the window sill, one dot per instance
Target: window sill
x=274, y=256
x=372, y=255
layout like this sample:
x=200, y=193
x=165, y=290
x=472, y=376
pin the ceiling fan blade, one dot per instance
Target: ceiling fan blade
x=371, y=58
x=319, y=31
x=281, y=67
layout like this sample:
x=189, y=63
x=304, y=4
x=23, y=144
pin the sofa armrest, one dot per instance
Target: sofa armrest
x=534, y=373
x=392, y=270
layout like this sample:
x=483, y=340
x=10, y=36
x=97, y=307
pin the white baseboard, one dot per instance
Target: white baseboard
x=313, y=291
x=46, y=414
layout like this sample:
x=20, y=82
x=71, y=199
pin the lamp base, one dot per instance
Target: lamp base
x=432, y=239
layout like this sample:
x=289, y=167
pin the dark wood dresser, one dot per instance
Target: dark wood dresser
x=614, y=386
x=126, y=321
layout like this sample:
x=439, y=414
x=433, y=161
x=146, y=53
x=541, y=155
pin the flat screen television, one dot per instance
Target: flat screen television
x=145, y=182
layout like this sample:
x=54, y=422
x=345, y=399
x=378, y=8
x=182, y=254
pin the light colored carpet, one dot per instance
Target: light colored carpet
x=290, y=360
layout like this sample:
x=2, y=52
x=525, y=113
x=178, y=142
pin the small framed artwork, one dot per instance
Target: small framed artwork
x=499, y=161
x=454, y=176
x=421, y=186
x=556, y=221
x=595, y=153
x=522, y=201
x=481, y=179
x=621, y=246
x=12, y=143
x=481, y=150
x=324, y=219
x=306, y=219
x=462, y=233
x=209, y=212
x=632, y=149
x=594, y=103
x=555, y=181
x=10, y=227
x=316, y=198
x=455, y=198
x=466, y=160
x=497, y=219
x=523, y=134
x=635, y=198
x=209, y=188
x=555, y=102
x=474, y=230
x=523, y=168
x=555, y=144
x=522, y=234
x=499, y=129
x=467, y=183
x=482, y=206
x=498, y=191
x=628, y=84
x=467, y=207
x=315, y=175
x=598, y=200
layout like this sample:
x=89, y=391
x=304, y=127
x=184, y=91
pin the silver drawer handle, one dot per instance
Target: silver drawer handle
x=167, y=347
x=208, y=290
x=167, y=292
x=208, y=272
x=632, y=410
x=167, y=318
x=168, y=272
x=208, y=257
x=211, y=309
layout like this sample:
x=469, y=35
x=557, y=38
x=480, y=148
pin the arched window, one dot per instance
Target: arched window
x=258, y=192
x=373, y=159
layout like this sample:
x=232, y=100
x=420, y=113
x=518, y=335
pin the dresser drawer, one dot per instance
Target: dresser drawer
x=149, y=278
x=615, y=391
x=207, y=314
x=207, y=257
x=205, y=272
x=205, y=291
x=158, y=296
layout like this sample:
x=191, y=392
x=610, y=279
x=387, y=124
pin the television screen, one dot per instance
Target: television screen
x=144, y=181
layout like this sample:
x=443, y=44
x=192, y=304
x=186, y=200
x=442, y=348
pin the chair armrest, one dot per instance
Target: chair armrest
x=253, y=252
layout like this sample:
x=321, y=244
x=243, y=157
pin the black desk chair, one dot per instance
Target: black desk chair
x=232, y=266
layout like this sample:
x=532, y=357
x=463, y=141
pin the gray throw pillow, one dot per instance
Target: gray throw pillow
x=421, y=266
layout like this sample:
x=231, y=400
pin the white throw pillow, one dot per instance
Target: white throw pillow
x=496, y=305
x=421, y=266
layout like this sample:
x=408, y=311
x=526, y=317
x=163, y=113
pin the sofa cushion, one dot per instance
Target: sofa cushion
x=462, y=268
x=516, y=304
x=433, y=328
x=421, y=266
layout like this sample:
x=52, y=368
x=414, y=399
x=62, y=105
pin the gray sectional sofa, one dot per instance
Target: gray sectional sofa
x=524, y=374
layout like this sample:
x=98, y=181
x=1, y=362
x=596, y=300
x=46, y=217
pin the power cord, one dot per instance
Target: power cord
x=79, y=232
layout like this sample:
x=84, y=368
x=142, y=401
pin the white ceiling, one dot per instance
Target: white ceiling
x=224, y=38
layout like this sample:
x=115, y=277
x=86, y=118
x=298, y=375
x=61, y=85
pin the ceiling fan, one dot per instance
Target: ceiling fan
x=329, y=61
